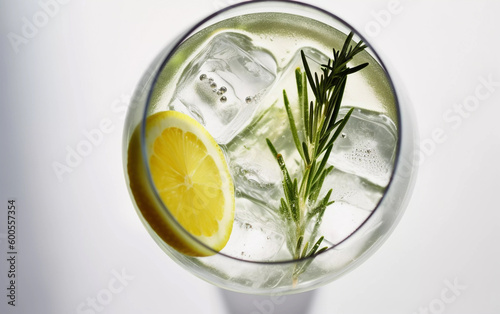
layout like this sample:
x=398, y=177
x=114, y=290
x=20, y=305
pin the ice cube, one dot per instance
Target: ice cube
x=354, y=199
x=340, y=220
x=257, y=175
x=367, y=146
x=352, y=189
x=286, y=80
x=224, y=83
x=255, y=235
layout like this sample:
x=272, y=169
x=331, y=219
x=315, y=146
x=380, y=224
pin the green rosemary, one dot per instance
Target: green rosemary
x=314, y=141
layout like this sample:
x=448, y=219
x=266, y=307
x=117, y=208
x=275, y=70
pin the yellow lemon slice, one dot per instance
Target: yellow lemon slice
x=192, y=179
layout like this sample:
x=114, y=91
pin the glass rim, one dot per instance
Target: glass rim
x=165, y=59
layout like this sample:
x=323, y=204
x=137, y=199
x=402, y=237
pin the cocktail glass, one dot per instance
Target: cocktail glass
x=228, y=72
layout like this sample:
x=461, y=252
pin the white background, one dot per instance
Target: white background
x=77, y=233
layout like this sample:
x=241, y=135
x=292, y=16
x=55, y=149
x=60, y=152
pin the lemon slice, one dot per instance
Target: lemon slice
x=192, y=179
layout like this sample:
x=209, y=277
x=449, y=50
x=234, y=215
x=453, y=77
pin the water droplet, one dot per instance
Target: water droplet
x=248, y=99
x=344, y=135
x=223, y=99
x=210, y=80
x=223, y=89
x=214, y=90
x=203, y=77
x=213, y=85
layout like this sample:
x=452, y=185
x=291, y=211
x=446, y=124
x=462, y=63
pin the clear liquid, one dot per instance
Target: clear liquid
x=253, y=110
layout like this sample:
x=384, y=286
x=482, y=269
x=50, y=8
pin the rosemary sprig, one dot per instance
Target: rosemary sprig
x=314, y=141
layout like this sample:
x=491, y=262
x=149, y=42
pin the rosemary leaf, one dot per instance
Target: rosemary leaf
x=293, y=128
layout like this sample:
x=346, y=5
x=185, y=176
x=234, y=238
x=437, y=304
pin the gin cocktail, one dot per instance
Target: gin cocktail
x=265, y=149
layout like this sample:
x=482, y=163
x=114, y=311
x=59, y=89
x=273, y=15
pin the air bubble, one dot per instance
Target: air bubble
x=203, y=77
x=223, y=89
x=213, y=85
x=344, y=135
x=223, y=99
x=248, y=99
